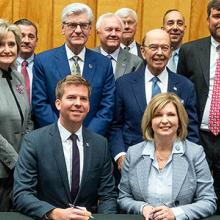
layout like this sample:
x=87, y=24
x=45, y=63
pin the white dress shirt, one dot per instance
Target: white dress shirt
x=114, y=56
x=67, y=150
x=81, y=59
x=29, y=68
x=162, y=82
x=133, y=48
x=213, y=59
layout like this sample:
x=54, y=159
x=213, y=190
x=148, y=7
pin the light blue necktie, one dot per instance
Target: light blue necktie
x=155, y=87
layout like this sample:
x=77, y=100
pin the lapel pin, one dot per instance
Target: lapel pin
x=90, y=66
x=174, y=88
x=87, y=144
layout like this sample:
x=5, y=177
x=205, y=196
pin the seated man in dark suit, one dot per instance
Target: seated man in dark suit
x=64, y=164
x=134, y=91
x=73, y=57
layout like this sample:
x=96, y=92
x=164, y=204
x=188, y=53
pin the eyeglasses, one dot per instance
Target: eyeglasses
x=155, y=47
x=72, y=26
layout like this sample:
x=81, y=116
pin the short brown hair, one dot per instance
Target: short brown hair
x=215, y=4
x=157, y=103
x=75, y=79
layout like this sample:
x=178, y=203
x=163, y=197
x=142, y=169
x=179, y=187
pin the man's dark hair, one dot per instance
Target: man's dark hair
x=168, y=11
x=25, y=21
x=213, y=4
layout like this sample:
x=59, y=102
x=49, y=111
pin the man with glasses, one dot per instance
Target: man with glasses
x=130, y=19
x=134, y=91
x=73, y=58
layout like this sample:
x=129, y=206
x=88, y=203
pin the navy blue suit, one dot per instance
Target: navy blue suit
x=41, y=180
x=131, y=103
x=52, y=66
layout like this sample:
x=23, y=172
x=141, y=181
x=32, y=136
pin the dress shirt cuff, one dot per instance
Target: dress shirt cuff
x=118, y=155
x=179, y=213
x=142, y=207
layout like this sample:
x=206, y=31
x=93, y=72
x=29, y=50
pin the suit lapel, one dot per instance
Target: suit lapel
x=87, y=149
x=180, y=168
x=143, y=170
x=138, y=87
x=204, y=58
x=62, y=63
x=57, y=148
x=89, y=65
x=120, y=64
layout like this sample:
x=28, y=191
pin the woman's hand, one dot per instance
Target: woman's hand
x=148, y=212
x=163, y=212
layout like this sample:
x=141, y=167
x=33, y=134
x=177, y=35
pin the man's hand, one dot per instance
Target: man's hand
x=120, y=162
x=163, y=212
x=148, y=212
x=69, y=214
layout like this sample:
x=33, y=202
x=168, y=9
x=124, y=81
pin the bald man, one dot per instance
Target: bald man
x=134, y=91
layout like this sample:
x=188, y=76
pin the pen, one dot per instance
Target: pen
x=81, y=208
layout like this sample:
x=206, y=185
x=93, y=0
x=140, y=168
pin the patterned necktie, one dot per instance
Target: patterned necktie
x=75, y=66
x=24, y=72
x=214, y=115
x=155, y=87
x=75, y=167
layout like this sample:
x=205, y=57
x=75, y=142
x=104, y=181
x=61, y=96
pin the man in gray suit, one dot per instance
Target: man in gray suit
x=109, y=30
x=58, y=166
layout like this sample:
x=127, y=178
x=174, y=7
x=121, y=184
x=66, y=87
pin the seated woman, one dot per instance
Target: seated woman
x=14, y=109
x=166, y=176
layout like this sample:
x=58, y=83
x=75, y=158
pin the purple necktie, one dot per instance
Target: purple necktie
x=75, y=167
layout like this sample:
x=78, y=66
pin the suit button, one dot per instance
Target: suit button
x=176, y=203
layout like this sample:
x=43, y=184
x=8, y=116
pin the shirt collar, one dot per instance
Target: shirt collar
x=70, y=53
x=29, y=60
x=65, y=134
x=133, y=44
x=214, y=43
x=162, y=76
x=149, y=149
x=114, y=54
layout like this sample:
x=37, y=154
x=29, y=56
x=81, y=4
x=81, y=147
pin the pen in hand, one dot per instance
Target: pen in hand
x=81, y=208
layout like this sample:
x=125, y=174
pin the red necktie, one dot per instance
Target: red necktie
x=214, y=117
x=24, y=71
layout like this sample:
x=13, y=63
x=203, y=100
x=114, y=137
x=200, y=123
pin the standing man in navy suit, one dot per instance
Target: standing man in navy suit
x=53, y=65
x=55, y=172
x=134, y=91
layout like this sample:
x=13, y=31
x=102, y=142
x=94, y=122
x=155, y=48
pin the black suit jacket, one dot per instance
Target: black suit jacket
x=194, y=63
x=41, y=181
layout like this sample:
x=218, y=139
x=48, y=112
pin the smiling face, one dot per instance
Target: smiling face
x=214, y=24
x=174, y=25
x=156, y=50
x=8, y=50
x=76, y=38
x=73, y=106
x=110, y=33
x=165, y=122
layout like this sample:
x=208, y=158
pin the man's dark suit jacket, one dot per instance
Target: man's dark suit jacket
x=194, y=63
x=41, y=181
x=52, y=66
x=131, y=103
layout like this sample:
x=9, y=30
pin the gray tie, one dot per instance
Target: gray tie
x=75, y=66
x=172, y=64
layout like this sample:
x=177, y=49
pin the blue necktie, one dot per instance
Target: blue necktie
x=155, y=87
